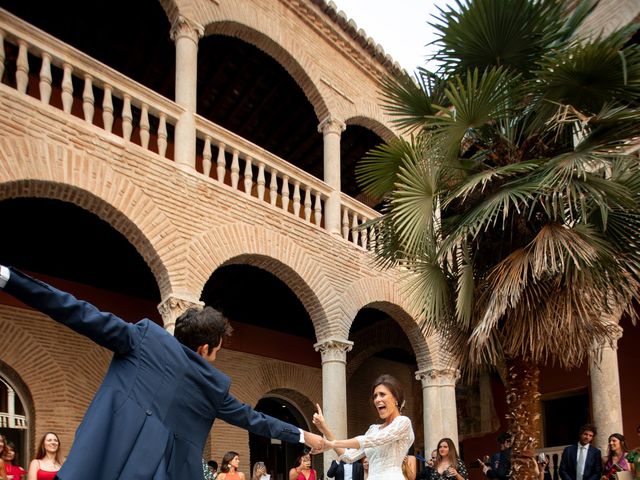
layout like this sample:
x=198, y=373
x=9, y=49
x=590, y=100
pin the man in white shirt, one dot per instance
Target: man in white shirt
x=346, y=471
x=582, y=461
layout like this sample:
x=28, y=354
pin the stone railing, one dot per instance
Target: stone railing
x=13, y=421
x=67, y=79
x=553, y=454
x=60, y=76
x=354, y=215
x=235, y=161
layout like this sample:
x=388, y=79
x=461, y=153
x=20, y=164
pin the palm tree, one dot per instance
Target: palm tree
x=514, y=200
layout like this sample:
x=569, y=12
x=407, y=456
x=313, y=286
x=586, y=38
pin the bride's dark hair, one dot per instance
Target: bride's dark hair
x=394, y=387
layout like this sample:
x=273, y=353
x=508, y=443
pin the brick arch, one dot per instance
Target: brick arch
x=31, y=167
x=302, y=387
x=384, y=294
x=374, y=125
x=264, y=35
x=374, y=339
x=266, y=249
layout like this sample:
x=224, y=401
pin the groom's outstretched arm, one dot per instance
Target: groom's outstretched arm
x=105, y=329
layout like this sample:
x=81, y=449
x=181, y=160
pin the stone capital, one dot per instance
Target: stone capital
x=615, y=334
x=331, y=125
x=434, y=377
x=175, y=305
x=334, y=349
x=185, y=28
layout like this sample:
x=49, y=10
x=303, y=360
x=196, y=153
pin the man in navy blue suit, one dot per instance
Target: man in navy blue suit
x=582, y=461
x=152, y=414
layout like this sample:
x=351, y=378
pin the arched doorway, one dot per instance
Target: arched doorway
x=278, y=456
x=14, y=418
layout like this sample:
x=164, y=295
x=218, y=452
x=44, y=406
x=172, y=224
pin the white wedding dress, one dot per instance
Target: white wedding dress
x=385, y=448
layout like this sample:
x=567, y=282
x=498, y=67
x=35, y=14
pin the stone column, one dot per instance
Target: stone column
x=334, y=387
x=605, y=391
x=186, y=35
x=173, y=306
x=331, y=130
x=439, y=405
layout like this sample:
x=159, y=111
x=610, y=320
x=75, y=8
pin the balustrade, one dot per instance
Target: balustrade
x=127, y=109
x=355, y=216
x=66, y=79
x=265, y=176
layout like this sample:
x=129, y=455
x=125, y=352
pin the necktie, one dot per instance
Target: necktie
x=580, y=466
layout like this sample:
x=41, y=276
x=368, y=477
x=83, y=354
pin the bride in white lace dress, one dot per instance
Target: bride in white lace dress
x=385, y=445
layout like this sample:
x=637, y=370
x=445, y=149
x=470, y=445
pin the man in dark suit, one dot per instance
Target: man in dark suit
x=582, y=461
x=154, y=410
x=499, y=467
x=346, y=471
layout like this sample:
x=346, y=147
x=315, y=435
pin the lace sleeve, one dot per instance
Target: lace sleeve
x=351, y=455
x=399, y=428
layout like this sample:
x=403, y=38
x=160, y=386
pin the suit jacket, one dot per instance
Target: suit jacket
x=503, y=471
x=592, y=464
x=153, y=412
x=336, y=470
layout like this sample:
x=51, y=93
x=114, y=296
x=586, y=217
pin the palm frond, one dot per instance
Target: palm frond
x=408, y=102
x=503, y=33
x=476, y=100
x=512, y=199
x=587, y=75
x=413, y=204
x=479, y=181
x=377, y=171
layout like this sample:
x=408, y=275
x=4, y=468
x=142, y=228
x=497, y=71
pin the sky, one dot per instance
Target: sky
x=400, y=26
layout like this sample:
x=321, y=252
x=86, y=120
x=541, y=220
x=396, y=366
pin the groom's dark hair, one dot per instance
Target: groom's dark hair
x=197, y=327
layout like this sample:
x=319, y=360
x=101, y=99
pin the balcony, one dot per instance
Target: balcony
x=120, y=110
x=13, y=421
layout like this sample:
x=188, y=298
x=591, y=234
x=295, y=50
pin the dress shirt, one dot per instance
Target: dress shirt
x=348, y=471
x=582, y=449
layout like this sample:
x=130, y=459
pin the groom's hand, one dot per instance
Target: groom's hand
x=316, y=442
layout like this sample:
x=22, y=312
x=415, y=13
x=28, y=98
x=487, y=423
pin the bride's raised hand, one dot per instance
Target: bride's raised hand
x=318, y=419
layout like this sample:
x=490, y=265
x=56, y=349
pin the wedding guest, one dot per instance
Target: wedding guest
x=10, y=458
x=3, y=472
x=448, y=465
x=48, y=460
x=582, y=460
x=616, y=457
x=633, y=457
x=302, y=469
x=229, y=467
x=259, y=471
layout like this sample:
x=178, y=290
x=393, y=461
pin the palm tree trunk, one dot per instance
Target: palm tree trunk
x=523, y=416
